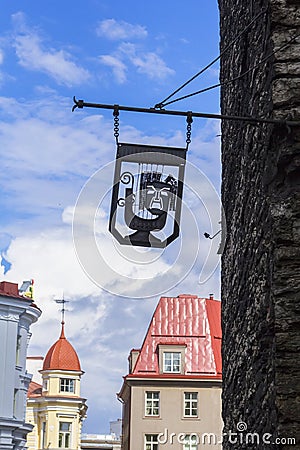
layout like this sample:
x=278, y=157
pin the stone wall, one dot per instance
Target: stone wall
x=260, y=194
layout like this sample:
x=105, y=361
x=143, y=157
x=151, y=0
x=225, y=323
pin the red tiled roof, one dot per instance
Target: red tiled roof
x=213, y=308
x=184, y=320
x=62, y=356
x=34, y=390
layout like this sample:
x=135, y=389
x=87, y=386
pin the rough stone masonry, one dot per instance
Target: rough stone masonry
x=260, y=195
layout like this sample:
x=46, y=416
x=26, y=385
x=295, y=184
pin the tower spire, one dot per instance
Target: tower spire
x=63, y=310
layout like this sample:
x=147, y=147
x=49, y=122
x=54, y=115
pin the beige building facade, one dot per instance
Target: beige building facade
x=172, y=394
x=55, y=408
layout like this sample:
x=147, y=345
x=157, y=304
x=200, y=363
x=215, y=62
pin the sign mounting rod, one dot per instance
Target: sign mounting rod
x=81, y=104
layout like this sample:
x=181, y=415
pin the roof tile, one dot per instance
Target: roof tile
x=62, y=356
x=184, y=320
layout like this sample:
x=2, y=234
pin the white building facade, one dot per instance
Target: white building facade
x=17, y=313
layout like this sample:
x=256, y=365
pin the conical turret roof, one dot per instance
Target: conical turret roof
x=62, y=355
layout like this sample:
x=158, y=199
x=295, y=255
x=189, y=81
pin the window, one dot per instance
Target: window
x=18, y=349
x=67, y=385
x=64, y=437
x=191, y=404
x=152, y=403
x=15, y=402
x=190, y=442
x=171, y=358
x=172, y=362
x=43, y=437
x=45, y=385
x=151, y=442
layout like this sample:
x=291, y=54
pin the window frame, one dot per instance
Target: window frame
x=43, y=433
x=18, y=349
x=153, y=403
x=171, y=362
x=64, y=436
x=189, y=444
x=190, y=406
x=172, y=349
x=153, y=443
x=65, y=384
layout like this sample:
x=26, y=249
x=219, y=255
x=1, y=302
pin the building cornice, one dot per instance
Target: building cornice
x=17, y=310
x=56, y=372
x=174, y=378
x=180, y=381
x=54, y=398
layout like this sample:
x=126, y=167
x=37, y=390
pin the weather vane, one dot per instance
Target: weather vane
x=62, y=302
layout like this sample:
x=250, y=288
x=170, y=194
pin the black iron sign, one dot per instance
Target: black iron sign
x=147, y=194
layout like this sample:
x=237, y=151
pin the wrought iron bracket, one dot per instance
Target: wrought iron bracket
x=281, y=122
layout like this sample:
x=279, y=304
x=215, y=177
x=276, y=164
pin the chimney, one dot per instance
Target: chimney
x=9, y=288
x=211, y=296
x=134, y=354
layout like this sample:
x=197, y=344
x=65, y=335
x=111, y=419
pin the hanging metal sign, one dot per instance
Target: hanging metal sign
x=147, y=194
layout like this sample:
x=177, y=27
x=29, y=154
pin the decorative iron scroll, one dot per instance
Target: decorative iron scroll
x=147, y=194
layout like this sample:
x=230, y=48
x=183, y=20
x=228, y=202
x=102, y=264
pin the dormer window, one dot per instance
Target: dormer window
x=172, y=358
x=67, y=385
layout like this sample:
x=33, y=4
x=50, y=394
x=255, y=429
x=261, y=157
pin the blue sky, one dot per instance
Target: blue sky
x=130, y=53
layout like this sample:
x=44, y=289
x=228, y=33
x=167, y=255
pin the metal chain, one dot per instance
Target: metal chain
x=189, y=121
x=116, y=122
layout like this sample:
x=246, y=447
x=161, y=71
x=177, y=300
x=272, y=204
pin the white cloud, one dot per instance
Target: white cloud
x=34, y=55
x=184, y=41
x=147, y=63
x=32, y=255
x=49, y=153
x=118, y=67
x=152, y=65
x=114, y=30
